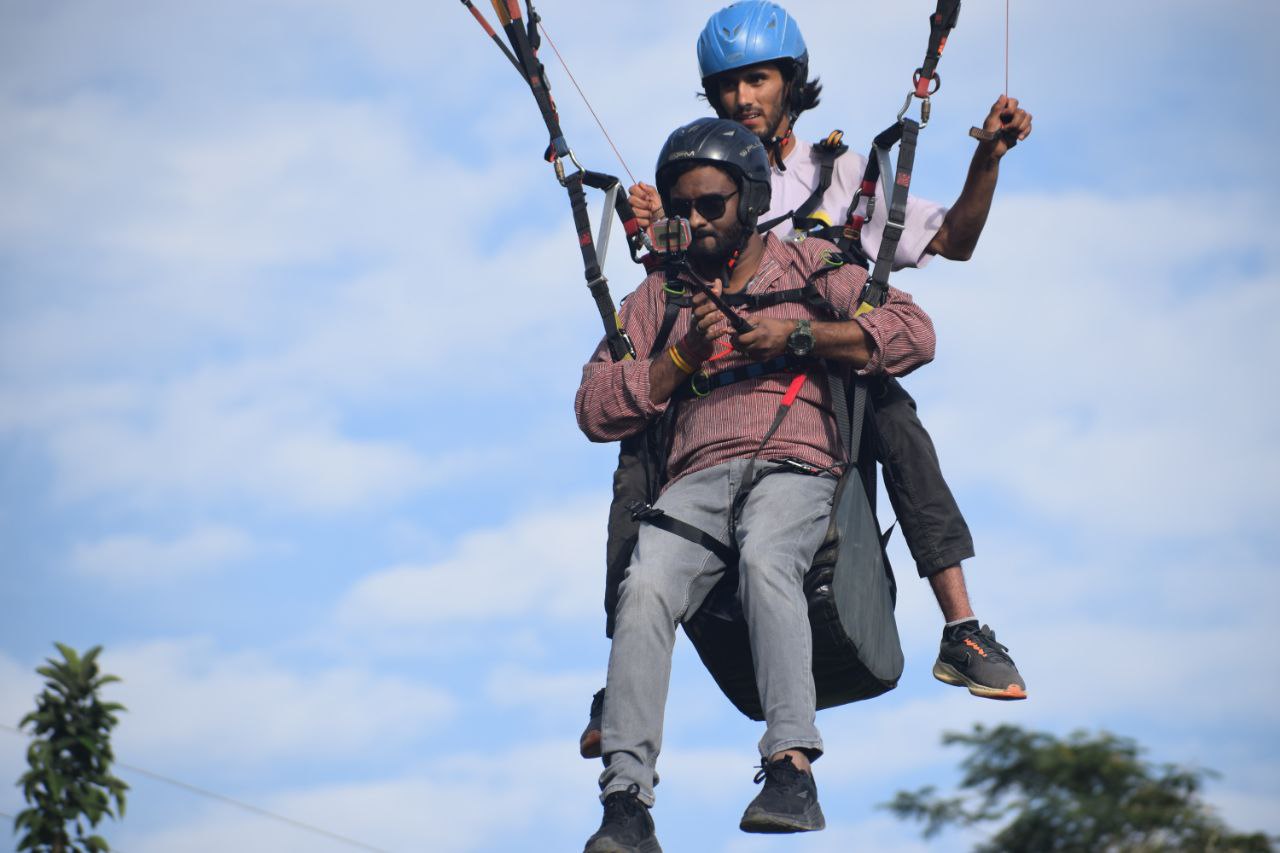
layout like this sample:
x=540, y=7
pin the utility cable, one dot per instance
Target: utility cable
x=212, y=795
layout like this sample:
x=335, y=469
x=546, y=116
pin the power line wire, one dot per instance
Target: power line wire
x=213, y=795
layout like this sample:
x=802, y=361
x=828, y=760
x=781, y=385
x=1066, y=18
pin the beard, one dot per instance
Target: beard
x=771, y=117
x=712, y=249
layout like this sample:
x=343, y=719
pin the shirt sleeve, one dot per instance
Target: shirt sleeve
x=613, y=399
x=901, y=334
x=924, y=218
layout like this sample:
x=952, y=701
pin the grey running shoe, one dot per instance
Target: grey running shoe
x=626, y=827
x=589, y=741
x=788, y=802
x=970, y=657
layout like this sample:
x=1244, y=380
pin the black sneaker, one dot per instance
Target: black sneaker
x=788, y=802
x=589, y=741
x=971, y=657
x=626, y=828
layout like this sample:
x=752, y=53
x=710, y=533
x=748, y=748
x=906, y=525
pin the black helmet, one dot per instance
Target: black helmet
x=724, y=143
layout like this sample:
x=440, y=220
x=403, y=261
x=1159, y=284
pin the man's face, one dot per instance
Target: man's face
x=714, y=239
x=754, y=96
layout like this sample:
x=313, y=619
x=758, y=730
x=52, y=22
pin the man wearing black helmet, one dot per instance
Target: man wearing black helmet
x=714, y=173
x=755, y=70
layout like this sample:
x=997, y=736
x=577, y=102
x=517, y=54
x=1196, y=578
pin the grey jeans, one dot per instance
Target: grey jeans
x=781, y=526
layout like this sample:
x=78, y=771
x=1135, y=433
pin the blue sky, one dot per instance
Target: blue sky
x=290, y=323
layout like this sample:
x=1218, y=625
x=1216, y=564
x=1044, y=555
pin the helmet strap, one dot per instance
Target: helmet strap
x=775, y=145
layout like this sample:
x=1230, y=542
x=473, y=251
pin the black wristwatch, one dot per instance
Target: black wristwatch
x=800, y=342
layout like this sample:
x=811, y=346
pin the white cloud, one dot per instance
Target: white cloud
x=135, y=557
x=1095, y=391
x=262, y=451
x=545, y=564
x=190, y=706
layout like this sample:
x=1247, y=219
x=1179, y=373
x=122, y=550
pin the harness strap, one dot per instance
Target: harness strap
x=770, y=224
x=941, y=23
x=828, y=151
x=701, y=384
x=523, y=54
x=670, y=313
x=646, y=514
x=896, y=220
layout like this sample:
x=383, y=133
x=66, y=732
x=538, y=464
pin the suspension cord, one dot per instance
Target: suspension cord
x=542, y=25
x=1006, y=48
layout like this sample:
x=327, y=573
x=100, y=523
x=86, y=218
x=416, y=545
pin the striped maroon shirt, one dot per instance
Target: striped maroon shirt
x=613, y=400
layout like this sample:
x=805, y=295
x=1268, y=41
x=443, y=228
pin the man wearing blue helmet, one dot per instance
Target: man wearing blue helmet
x=755, y=70
x=749, y=463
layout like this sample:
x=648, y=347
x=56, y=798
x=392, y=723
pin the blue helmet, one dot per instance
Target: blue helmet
x=749, y=32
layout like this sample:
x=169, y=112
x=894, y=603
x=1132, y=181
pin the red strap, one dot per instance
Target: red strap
x=793, y=390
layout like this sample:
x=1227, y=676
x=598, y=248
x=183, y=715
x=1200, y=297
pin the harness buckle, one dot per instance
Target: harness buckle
x=641, y=511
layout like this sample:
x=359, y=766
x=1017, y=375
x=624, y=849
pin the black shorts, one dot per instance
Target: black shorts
x=931, y=522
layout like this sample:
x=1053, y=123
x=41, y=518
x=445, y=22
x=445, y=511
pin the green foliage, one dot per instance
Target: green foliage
x=1083, y=794
x=69, y=781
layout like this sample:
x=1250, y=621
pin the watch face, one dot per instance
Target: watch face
x=800, y=342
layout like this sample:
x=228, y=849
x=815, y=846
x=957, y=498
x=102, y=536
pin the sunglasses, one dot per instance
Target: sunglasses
x=710, y=206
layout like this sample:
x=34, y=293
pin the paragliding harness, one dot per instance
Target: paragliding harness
x=850, y=585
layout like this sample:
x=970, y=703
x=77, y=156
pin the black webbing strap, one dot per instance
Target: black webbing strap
x=840, y=408
x=895, y=222
x=701, y=384
x=673, y=304
x=828, y=151
x=524, y=40
x=646, y=514
x=941, y=23
x=770, y=224
x=619, y=344
x=756, y=301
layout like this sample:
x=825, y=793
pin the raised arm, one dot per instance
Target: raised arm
x=963, y=225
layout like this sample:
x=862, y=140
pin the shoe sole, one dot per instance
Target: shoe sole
x=589, y=745
x=948, y=674
x=773, y=824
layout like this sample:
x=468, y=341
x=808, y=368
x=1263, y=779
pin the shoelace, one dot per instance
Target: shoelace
x=986, y=638
x=780, y=772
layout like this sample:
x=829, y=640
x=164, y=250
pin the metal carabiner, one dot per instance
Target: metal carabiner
x=558, y=165
x=926, y=108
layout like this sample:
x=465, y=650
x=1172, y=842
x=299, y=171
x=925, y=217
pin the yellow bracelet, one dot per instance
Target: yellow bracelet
x=678, y=359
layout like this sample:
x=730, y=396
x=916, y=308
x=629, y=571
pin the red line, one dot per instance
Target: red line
x=599, y=123
x=1006, y=48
